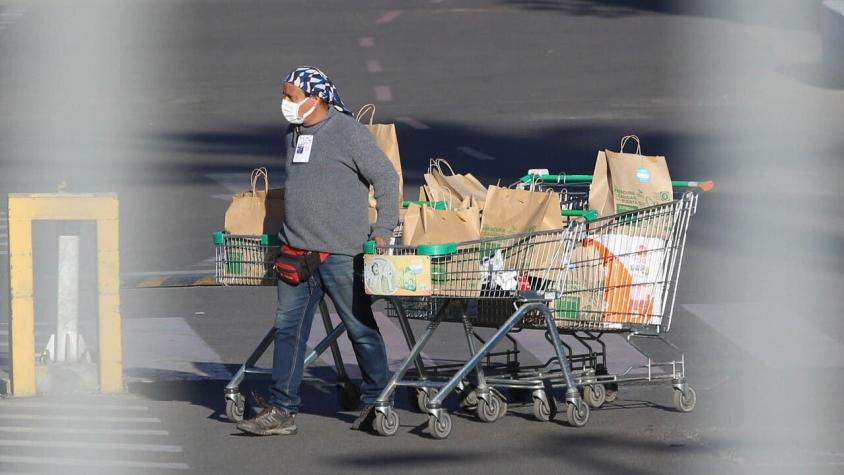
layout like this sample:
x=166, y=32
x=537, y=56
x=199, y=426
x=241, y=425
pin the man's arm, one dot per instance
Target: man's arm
x=377, y=169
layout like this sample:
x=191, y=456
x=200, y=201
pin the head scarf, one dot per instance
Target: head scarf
x=315, y=83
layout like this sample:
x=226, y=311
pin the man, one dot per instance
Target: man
x=331, y=161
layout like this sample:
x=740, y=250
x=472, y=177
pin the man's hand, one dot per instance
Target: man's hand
x=379, y=241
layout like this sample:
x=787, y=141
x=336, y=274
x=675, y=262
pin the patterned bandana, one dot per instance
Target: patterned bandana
x=315, y=83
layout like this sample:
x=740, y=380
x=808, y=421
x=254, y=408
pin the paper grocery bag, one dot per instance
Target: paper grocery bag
x=510, y=211
x=256, y=211
x=425, y=225
x=625, y=182
x=385, y=137
x=463, y=186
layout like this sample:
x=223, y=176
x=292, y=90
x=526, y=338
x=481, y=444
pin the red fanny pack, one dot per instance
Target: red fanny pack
x=295, y=266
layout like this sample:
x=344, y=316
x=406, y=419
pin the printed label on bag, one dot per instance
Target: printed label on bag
x=643, y=175
x=303, y=149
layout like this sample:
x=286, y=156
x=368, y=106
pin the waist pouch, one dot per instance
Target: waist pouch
x=295, y=266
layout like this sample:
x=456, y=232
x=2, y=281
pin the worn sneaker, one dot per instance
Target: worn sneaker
x=270, y=421
x=365, y=419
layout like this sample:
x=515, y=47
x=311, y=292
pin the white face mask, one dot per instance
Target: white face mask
x=290, y=110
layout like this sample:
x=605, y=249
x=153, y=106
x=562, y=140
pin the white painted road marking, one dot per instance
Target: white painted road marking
x=413, y=123
x=92, y=462
x=475, y=153
x=374, y=66
x=366, y=42
x=54, y=405
x=383, y=94
x=41, y=417
x=65, y=430
x=91, y=445
x=388, y=17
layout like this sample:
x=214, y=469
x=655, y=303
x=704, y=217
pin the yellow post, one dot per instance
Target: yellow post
x=103, y=208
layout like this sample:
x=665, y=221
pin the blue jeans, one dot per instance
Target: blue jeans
x=341, y=278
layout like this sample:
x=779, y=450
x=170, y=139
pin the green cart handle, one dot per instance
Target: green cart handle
x=265, y=239
x=439, y=205
x=704, y=186
x=588, y=214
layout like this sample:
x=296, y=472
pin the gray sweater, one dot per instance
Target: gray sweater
x=326, y=199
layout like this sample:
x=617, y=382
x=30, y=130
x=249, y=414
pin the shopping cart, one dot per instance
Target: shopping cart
x=527, y=269
x=249, y=260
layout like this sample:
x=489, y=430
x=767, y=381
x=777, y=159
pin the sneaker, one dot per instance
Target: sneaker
x=270, y=421
x=365, y=419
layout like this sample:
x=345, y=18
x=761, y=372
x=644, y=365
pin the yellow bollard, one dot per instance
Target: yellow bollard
x=23, y=209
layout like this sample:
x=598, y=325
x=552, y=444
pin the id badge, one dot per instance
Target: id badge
x=303, y=149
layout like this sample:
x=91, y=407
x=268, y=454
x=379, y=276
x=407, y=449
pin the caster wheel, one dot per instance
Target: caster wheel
x=492, y=410
x=235, y=409
x=577, y=414
x=595, y=395
x=440, y=427
x=348, y=396
x=423, y=395
x=685, y=402
x=544, y=410
x=611, y=395
x=386, y=424
x=468, y=400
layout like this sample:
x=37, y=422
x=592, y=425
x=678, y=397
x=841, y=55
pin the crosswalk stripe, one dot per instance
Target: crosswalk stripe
x=65, y=430
x=52, y=405
x=91, y=462
x=90, y=445
x=38, y=417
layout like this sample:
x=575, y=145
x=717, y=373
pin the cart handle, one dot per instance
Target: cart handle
x=438, y=205
x=588, y=214
x=704, y=186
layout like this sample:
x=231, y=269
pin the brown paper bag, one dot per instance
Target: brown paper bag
x=510, y=211
x=425, y=225
x=385, y=137
x=255, y=212
x=628, y=181
x=463, y=186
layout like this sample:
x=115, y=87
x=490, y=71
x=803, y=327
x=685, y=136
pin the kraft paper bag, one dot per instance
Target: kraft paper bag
x=256, y=211
x=510, y=211
x=462, y=186
x=625, y=182
x=425, y=225
x=385, y=137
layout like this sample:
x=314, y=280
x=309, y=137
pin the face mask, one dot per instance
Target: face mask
x=290, y=110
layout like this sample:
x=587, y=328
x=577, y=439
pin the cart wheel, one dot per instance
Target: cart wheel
x=348, y=395
x=684, y=403
x=423, y=395
x=440, y=427
x=492, y=410
x=611, y=395
x=577, y=414
x=595, y=395
x=387, y=424
x=468, y=399
x=544, y=410
x=235, y=409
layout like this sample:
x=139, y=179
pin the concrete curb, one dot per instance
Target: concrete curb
x=832, y=35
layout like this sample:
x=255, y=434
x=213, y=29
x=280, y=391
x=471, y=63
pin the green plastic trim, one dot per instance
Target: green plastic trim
x=369, y=247
x=705, y=185
x=219, y=238
x=436, y=249
x=439, y=205
x=588, y=214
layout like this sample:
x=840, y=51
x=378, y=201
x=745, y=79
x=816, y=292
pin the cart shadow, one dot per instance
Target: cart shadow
x=318, y=392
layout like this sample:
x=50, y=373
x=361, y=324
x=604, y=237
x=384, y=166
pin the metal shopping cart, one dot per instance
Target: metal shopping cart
x=248, y=260
x=527, y=269
x=616, y=274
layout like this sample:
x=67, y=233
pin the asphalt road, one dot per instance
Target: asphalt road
x=171, y=104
